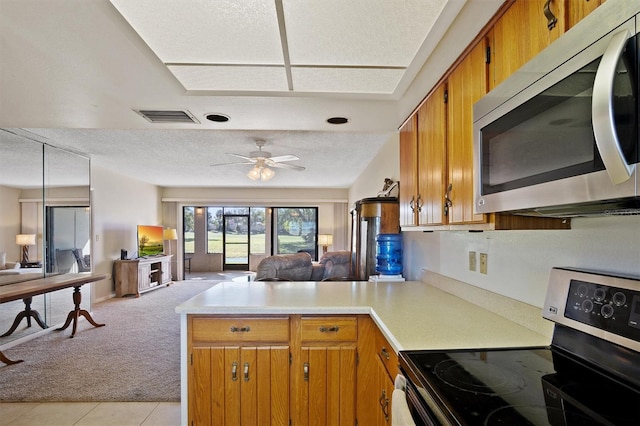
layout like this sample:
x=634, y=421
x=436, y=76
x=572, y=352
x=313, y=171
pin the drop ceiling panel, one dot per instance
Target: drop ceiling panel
x=209, y=32
x=231, y=78
x=346, y=80
x=358, y=32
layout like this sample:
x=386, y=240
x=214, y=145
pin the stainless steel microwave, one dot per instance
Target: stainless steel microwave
x=560, y=136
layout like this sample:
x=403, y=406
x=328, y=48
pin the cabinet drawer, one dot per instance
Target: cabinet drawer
x=329, y=329
x=387, y=355
x=240, y=329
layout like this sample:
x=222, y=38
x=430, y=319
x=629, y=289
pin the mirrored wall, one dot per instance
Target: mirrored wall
x=45, y=224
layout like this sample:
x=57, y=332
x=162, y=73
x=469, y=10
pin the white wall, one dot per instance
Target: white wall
x=10, y=224
x=118, y=205
x=384, y=165
x=519, y=261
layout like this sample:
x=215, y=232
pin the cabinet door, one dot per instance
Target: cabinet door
x=239, y=386
x=385, y=388
x=432, y=161
x=466, y=85
x=329, y=385
x=144, y=276
x=166, y=271
x=408, y=172
x=578, y=9
x=511, y=48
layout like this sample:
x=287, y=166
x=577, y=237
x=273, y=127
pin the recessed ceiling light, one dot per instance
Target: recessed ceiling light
x=218, y=118
x=337, y=120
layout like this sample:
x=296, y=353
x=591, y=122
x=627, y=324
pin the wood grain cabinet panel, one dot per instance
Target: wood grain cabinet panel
x=408, y=172
x=233, y=385
x=238, y=370
x=467, y=84
x=329, y=329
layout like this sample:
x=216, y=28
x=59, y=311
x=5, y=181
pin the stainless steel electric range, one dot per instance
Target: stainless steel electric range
x=589, y=375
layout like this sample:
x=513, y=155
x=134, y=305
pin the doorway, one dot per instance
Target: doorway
x=236, y=242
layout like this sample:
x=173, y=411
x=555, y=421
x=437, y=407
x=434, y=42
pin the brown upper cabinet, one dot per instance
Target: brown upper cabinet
x=527, y=27
x=436, y=142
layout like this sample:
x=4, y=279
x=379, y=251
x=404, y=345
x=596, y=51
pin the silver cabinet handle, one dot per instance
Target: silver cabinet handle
x=234, y=371
x=235, y=329
x=305, y=370
x=602, y=112
x=384, y=404
x=413, y=209
x=551, y=18
x=447, y=200
x=384, y=352
x=329, y=329
x=419, y=203
x=246, y=371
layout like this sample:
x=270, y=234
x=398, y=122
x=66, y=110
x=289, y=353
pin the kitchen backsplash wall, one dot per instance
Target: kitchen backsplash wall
x=519, y=261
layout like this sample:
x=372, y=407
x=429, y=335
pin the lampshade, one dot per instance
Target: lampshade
x=169, y=234
x=325, y=239
x=26, y=239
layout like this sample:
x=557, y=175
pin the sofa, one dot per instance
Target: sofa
x=300, y=267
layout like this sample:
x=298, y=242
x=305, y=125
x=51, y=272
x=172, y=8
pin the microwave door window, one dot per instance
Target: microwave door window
x=547, y=138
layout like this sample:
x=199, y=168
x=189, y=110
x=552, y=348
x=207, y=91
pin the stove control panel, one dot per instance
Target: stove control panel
x=608, y=308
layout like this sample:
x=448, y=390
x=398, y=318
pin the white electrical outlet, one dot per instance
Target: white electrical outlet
x=483, y=263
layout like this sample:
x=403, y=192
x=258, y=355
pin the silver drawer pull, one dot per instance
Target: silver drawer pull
x=305, y=369
x=246, y=371
x=330, y=329
x=234, y=371
x=245, y=329
x=384, y=352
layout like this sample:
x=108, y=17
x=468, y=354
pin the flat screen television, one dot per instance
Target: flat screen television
x=150, y=241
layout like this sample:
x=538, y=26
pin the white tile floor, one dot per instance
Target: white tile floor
x=90, y=413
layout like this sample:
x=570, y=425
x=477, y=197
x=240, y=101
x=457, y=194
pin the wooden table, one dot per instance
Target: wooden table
x=27, y=289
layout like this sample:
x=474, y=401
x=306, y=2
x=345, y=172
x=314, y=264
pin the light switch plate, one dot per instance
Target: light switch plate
x=472, y=261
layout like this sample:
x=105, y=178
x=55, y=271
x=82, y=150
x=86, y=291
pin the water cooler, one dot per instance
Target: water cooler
x=371, y=217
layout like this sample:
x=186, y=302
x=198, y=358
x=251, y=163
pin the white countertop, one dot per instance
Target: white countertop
x=412, y=314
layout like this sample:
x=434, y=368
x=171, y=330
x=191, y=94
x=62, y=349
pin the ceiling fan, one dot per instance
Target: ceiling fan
x=262, y=161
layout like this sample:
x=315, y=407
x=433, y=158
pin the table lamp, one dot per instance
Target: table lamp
x=25, y=240
x=325, y=240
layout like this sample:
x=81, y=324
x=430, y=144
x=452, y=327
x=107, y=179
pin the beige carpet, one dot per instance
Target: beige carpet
x=135, y=357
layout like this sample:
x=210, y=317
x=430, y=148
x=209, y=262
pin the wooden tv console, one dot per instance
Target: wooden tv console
x=136, y=276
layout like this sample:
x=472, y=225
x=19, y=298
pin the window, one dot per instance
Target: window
x=295, y=230
x=214, y=229
x=188, y=220
x=258, y=230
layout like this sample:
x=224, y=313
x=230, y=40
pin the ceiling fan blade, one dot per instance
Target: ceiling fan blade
x=286, y=166
x=281, y=158
x=253, y=160
x=231, y=164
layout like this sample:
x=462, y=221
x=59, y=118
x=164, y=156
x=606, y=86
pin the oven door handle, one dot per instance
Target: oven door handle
x=602, y=112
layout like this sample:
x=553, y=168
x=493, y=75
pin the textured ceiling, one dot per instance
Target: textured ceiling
x=74, y=73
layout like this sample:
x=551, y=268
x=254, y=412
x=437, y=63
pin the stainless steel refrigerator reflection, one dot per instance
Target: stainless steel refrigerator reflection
x=370, y=217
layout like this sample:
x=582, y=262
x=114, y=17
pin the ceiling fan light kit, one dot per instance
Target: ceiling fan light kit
x=261, y=172
x=262, y=161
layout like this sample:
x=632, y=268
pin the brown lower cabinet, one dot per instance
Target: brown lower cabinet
x=288, y=370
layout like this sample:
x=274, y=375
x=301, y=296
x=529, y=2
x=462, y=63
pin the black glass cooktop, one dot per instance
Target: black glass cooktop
x=530, y=386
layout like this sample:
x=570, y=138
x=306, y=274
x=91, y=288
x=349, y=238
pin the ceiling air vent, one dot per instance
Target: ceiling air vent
x=158, y=116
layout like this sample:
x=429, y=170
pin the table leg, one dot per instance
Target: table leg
x=28, y=314
x=75, y=314
x=6, y=360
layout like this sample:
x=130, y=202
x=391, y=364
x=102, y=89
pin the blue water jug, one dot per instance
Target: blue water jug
x=389, y=254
